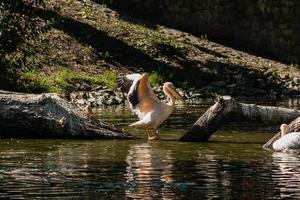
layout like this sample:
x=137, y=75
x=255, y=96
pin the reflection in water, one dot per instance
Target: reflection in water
x=231, y=166
x=149, y=172
x=287, y=173
x=135, y=170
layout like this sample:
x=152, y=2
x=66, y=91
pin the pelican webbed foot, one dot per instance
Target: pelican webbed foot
x=150, y=136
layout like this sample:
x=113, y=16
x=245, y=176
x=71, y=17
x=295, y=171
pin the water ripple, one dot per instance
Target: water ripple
x=228, y=167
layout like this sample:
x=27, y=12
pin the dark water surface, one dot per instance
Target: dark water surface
x=232, y=165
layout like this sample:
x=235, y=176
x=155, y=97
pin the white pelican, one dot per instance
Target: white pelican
x=144, y=103
x=287, y=140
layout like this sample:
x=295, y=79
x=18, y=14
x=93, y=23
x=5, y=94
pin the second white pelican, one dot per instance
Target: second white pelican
x=287, y=140
x=144, y=103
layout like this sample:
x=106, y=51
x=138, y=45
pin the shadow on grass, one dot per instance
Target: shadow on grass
x=135, y=18
x=15, y=29
x=121, y=54
x=172, y=65
x=239, y=38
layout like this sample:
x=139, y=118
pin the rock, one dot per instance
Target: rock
x=92, y=94
x=289, y=85
x=91, y=100
x=119, y=100
x=109, y=91
x=105, y=94
x=99, y=87
x=74, y=96
x=296, y=80
x=99, y=102
x=180, y=91
x=268, y=73
x=81, y=102
x=161, y=96
x=196, y=95
x=111, y=101
x=84, y=95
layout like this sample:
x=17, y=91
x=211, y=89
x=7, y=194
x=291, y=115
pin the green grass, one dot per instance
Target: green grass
x=155, y=78
x=43, y=54
x=64, y=80
x=108, y=78
x=32, y=81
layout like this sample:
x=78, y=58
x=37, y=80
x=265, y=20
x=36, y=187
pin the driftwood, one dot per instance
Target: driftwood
x=49, y=116
x=227, y=109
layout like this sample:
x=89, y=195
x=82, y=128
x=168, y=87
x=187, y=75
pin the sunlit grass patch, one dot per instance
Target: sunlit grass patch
x=33, y=81
x=64, y=80
x=155, y=78
x=108, y=78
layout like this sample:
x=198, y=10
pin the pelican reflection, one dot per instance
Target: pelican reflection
x=287, y=174
x=149, y=172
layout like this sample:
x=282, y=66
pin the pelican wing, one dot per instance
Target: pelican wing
x=133, y=97
x=138, y=89
x=126, y=81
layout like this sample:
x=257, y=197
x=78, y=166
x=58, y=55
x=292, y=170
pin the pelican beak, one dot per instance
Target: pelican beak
x=177, y=95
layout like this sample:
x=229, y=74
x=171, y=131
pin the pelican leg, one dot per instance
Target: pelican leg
x=148, y=133
x=151, y=137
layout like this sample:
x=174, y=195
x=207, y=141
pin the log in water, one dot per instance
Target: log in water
x=226, y=109
x=49, y=116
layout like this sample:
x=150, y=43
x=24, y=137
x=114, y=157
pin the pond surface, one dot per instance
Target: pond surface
x=232, y=165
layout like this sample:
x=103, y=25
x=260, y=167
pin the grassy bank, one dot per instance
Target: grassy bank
x=82, y=44
x=65, y=81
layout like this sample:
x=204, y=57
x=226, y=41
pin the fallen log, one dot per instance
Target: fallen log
x=49, y=116
x=226, y=109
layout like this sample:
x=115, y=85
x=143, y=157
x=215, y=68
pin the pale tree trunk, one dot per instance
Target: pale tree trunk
x=227, y=109
x=49, y=116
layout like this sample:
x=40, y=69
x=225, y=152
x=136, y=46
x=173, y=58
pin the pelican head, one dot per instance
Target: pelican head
x=170, y=88
x=284, y=128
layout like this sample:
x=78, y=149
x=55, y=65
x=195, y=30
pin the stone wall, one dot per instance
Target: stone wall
x=267, y=27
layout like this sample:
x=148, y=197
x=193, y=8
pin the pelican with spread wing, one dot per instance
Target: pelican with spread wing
x=144, y=103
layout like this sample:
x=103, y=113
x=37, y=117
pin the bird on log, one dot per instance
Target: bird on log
x=144, y=103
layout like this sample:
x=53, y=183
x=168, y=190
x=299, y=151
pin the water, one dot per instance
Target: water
x=231, y=166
